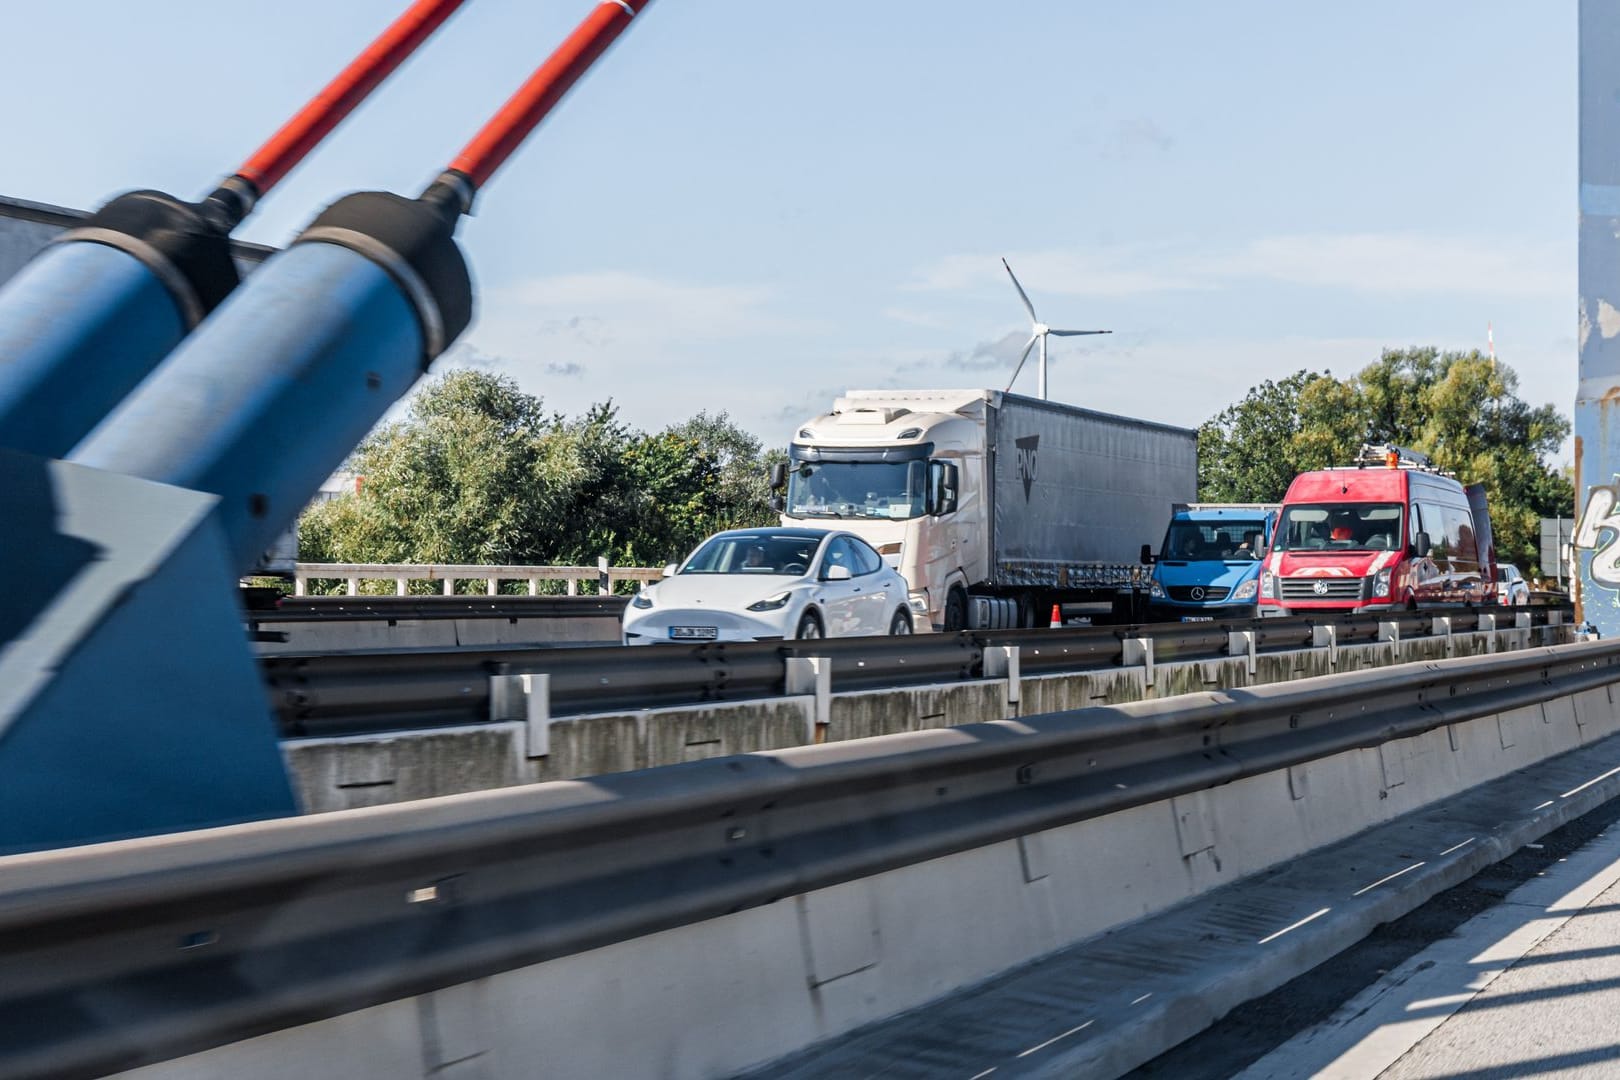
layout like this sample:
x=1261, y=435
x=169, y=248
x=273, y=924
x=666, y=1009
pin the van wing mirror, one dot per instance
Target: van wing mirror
x=778, y=476
x=1421, y=546
x=1147, y=554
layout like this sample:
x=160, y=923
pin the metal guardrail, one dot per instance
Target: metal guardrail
x=429, y=608
x=123, y=954
x=333, y=694
x=402, y=574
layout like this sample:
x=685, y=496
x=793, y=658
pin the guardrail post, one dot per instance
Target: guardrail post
x=1522, y=620
x=1390, y=631
x=1327, y=637
x=354, y=586
x=300, y=585
x=1241, y=642
x=1442, y=625
x=1555, y=618
x=1003, y=662
x=604, y=584
x=1138, y=650
x=1489, y=622
x=449, y=586
x=812, y=675
x=525, y=698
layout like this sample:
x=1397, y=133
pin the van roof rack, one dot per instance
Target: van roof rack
x=1394, y=457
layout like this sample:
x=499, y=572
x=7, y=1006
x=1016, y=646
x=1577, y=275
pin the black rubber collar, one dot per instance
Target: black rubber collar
x=167, y=230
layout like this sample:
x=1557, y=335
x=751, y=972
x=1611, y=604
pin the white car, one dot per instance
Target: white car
x=1511, y=588
x=771, y=584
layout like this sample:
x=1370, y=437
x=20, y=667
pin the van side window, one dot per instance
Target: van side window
x=1460, y=534
x=1416, y=524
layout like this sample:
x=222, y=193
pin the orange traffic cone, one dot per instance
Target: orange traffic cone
x=1057, y=617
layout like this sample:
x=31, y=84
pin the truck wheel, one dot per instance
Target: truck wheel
x=955, y=611
x=809, y=627
x=901, y=623
x=1029, y=611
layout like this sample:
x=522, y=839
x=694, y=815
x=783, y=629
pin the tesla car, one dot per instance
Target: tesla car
x=770, y=584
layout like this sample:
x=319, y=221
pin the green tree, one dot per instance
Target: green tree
x=481, y=473
x=1461, y=409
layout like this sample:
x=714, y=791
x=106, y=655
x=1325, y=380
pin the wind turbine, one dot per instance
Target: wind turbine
x=1038, y=332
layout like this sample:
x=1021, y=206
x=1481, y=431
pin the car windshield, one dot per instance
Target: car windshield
x=1195, y=541
x=1340, y=527
x=753, y=553
x=1506, y=573
x=841, y=489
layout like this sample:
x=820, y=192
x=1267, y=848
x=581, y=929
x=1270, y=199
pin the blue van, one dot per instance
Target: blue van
x=1209, y=564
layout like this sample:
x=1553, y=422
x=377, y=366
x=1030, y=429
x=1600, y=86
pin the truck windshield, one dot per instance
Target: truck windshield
x=844, y=489
x=1340, y=527
x=1195, y=541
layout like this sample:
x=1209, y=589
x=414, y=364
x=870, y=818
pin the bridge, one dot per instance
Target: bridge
x=459, y=841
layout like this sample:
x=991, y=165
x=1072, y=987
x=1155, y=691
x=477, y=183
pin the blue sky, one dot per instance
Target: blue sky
x=752, y=205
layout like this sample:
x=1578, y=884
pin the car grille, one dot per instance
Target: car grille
x=1337, y=588
x=1206, y=593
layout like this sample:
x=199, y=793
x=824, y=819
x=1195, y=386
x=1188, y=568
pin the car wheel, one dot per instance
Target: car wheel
x=901, y=623
x=809, y=627
x=955, y=611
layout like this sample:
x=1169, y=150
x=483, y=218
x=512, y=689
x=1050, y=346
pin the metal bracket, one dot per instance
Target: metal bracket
x=1327, y=637
x=1241, y=643
x=525, y=698
x=1138, y=650
x=1002, y=662
x=1442, y=625
x=812, y=675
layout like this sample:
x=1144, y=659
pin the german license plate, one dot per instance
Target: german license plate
x=693, y=633
x=1198, y=618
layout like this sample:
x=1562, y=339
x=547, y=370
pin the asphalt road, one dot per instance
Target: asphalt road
x=1514, y=973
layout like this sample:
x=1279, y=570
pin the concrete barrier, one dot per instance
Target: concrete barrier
x=739, y=992
x=341, y=773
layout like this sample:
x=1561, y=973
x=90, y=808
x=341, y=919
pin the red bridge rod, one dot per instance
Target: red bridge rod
x=287, y=147
x=507, y=129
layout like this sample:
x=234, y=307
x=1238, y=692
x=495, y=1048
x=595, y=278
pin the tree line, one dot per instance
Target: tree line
x=1461, y=409
x=479, y=472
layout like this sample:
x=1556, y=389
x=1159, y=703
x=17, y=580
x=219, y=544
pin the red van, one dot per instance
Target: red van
x=1390, y=531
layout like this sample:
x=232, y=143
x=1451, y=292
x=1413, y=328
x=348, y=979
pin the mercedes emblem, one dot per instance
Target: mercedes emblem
x=1197, y=592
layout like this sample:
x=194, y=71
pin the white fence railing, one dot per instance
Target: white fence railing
x=402, y=574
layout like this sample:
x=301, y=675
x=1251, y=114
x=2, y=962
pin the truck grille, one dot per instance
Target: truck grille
x=1206, y=593
x=1337, y=588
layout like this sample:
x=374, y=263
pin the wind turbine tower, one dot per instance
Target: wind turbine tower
x=1038, y=333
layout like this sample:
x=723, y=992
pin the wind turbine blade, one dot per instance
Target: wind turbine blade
x=1033, y=338
x=1029, y=307
x=1077, y=333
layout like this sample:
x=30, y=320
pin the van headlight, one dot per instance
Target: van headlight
x=772, y=603
x=1268, y=586
x=1246, y=590
x=1380, y=583
x=1155, y=590
x=641, y=600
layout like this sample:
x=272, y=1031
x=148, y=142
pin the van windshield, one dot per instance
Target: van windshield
x=1197, y=541
x=1340, y=527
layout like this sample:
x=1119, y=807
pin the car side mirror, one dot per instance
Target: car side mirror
x=778, y=475
x=836, y=573
x=1147, y=554
x=670, y=568
x=1421, y=546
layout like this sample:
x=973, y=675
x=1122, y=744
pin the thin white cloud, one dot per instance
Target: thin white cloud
x=1370, y=263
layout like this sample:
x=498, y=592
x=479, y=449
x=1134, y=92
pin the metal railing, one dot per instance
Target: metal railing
x=124, y=954
x=604, y=576
x=315, y=694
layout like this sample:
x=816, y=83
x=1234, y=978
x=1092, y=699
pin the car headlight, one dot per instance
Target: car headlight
x=772, y=603
x=1268, y=586
x=1381, y=583
x=918, y=601
x=1246, y=590
x=1155, y=590
x=641, y=600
